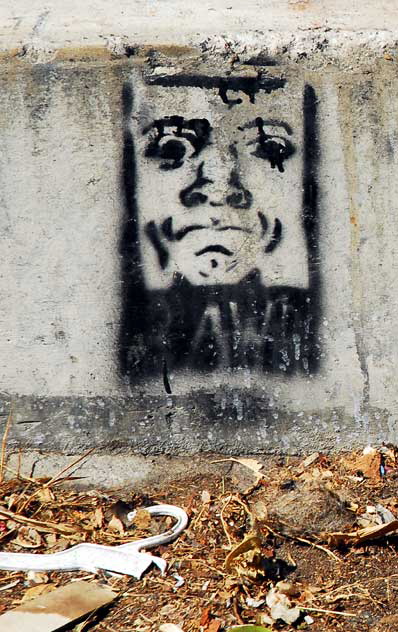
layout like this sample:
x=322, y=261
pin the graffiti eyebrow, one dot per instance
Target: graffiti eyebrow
x=277, y=123
x=166, y=121
x=179, y=122
x=271, y=122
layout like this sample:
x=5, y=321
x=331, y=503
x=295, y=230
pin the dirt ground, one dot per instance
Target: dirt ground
x=314, y=532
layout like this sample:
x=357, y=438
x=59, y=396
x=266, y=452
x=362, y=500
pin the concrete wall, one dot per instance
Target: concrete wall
x=198, y=232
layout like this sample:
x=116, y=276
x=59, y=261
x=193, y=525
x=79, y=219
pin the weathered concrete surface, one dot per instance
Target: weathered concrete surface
x=133, y=472
x=176, y=21
x=84, y=301
x=318, y=31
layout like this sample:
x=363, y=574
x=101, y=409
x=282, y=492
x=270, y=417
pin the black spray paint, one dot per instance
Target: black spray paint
x=271, y=329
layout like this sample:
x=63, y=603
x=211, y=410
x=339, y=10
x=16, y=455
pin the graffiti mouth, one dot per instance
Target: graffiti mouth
x=180, y=234
x=214, y=248
x=241, y=228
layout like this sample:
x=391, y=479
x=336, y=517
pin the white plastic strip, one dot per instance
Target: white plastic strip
x=127, y=558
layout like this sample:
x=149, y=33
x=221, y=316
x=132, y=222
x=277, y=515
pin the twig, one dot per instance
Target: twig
x=224, y=525
x=342, y=614
x=68, y=467
x=197, y=517
x=4, y=442
x=236, y=611
x=304, y=541
x=23, y=477
x=41, y=525
x=19, y=462
x=10, y=585
x=212, y=568
x=318, y=546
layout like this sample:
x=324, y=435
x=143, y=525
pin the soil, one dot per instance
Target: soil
x=291, y=508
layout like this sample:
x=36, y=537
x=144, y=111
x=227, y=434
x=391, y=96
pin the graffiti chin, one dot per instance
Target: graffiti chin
x=223, y=273
x=219, y=254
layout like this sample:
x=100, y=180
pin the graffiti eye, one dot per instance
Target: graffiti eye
x=172, y=150
x=169, y=150
x=274, y=149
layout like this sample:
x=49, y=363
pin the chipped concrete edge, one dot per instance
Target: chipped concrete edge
x=313, y=48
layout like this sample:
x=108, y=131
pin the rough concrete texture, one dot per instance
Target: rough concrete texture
x=198, y=232
x=119, y=471
x=296, y=29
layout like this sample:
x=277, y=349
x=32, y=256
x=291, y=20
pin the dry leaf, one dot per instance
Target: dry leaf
x=116, y=525
x=45, y=495
x=170, y=627
x=368, y=463
x=40, y=525
x=51, y=540
x=35, y=591
x=205, y=497
x=252, y=464
x=214, y=626
x=12, y=499
x=56, y=607
x=252, y=542
x=28, y=538
x=166, y=610
x=61, y=544
x=97, y=518
x=205, y=617
x=142, y=519
x=245, y=560
x=288, y=588
x=308, y=461
x=33, y=577
x=361, y=535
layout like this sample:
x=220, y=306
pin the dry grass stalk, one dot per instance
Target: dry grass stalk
x=42, y=526
x=4, y=442
x=69, y=467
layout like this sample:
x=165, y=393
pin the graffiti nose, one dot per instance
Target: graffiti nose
x=216, y=190
x=227, y=190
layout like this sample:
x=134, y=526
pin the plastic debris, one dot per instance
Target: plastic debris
x=127, y=558
x=254, y=603
x=180, y=581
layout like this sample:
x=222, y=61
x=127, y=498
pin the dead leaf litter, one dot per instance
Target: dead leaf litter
x=275, y=544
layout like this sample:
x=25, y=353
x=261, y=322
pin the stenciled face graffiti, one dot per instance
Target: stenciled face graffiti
x=220, y=241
